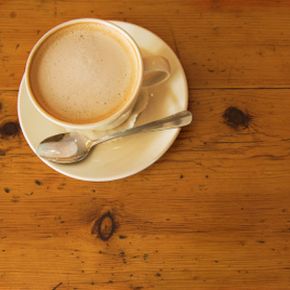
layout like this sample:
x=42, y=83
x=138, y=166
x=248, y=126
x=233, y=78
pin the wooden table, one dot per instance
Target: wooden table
x=213, y=213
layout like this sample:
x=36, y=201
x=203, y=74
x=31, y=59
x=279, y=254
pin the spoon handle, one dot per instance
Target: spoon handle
x=180, y=119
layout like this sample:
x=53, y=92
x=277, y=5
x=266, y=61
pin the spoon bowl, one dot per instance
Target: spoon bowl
x=65, y=147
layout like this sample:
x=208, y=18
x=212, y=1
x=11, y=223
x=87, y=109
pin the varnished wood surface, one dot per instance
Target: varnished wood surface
x=212, y=213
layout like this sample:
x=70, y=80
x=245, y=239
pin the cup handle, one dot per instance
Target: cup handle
x=156, y=70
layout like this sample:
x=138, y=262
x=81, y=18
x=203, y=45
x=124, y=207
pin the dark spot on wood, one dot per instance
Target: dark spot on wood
x=122, y=237
x=131, y=275
x=216, y=261
x=58, y=285
x=17, y=46
x=37, y=182
x=145, y=257
x=261, y=242
x=206, y=176
x=284, y=210
x=100, y=252
x=1, y=107
x=3, y=251
x=167, y=219
x=210, y=70
x=37, y=31
x=9, y=129
x=181, y=176
x=6, y=189
x=13, y=14
x=110, y=282
x=242, y=208
x=104, y=227
x=92, y=11
x=15, y=198
x=92, y=283
x=157, y=274
x=83, y=271
x=235, y=118
x=93, y=190
x=122, y=254
x=137, y=287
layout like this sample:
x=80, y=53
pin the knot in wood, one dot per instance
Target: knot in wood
x=104, y=227
x=236, y=118
x=9, y=129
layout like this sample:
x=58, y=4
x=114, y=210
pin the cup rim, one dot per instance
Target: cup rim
x=111, y=118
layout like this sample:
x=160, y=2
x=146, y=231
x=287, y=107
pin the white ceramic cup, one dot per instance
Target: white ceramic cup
x=151, y=71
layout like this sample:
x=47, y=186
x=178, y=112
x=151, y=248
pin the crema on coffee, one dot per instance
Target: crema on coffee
x=84, y=73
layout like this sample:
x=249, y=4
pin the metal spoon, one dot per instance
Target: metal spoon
x=73, y=147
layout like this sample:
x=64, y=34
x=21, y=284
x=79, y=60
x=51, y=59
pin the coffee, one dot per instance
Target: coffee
x=84, y=73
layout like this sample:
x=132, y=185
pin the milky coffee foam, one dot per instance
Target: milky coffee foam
x=83, y=73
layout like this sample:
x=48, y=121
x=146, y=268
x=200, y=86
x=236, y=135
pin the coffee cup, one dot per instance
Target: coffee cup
x=86, y=74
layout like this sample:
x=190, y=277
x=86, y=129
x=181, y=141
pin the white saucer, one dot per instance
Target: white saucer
x=120, y=158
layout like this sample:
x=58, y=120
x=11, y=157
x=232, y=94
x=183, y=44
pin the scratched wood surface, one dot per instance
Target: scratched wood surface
x=213, y=213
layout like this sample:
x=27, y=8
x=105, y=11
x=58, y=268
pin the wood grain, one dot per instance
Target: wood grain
x=222, y=44
x=224, y=220
x=212, y=213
